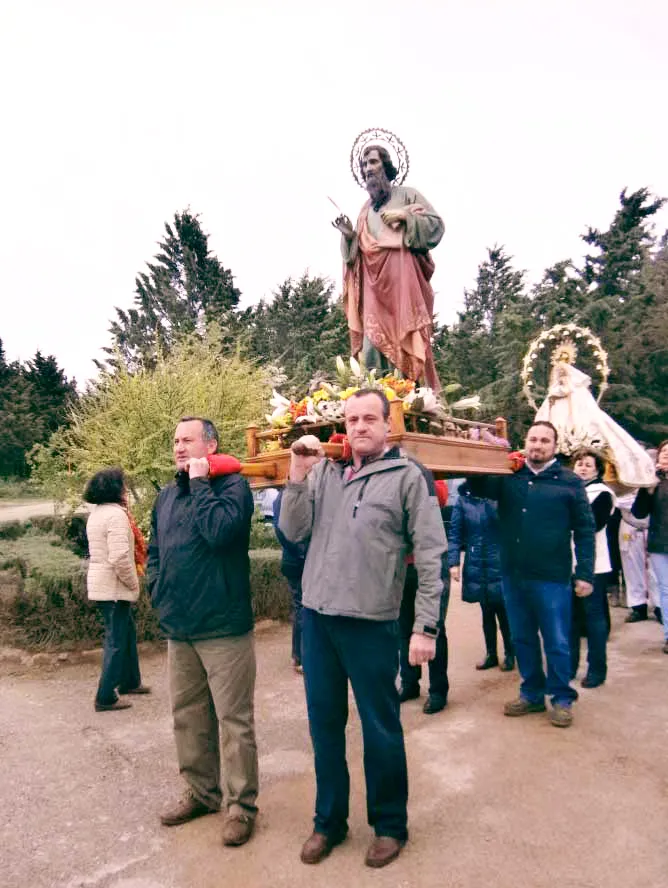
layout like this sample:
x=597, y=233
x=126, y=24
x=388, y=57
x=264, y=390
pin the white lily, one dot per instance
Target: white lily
x=355, y=367
x=277, y=400
x=472, y=403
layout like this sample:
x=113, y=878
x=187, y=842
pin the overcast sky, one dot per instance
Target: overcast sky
x=524, y=119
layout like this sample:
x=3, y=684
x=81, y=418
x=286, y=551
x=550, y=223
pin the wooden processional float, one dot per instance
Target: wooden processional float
x=448, y=450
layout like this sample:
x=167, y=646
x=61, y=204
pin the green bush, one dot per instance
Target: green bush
x=44, y=605
x=12, y=530
x=19, y=488
x=128, y=419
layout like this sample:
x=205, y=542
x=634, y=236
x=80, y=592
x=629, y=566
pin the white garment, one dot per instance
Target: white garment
x=639, y=578
x=572, y=409
x=602, y=564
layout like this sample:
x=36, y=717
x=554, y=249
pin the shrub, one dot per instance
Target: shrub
x=128, y=419
x=43, y=600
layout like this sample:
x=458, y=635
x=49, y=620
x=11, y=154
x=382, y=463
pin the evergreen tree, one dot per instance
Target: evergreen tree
x=302, y=330
x=184, y=288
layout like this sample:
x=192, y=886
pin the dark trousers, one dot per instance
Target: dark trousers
x=493, y=610
x=120, y=662
x=335, y=650
x=591, y=618
x=438, y=667
x=534, y=607
x=296, y=592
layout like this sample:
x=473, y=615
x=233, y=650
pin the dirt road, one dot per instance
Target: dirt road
x=23, y=510
x=509, y=803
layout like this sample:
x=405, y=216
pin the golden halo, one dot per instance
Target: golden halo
x=564, y=338
x=386, y=139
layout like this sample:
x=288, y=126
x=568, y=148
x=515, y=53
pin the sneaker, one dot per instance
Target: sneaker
x=434, y=703
x=409, y=693
x=561, y=716
x=522, y=707
x=635, y=617
x=490, y=662
x=112, y=707
x=237, y=829
x=187, y=809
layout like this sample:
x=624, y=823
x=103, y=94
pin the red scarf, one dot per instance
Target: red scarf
x=141, y=549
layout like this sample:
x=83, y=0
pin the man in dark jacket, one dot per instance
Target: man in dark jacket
x=542, y=508
x=199, y=581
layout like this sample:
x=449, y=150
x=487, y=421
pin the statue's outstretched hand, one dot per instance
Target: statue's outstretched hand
x=344, y=225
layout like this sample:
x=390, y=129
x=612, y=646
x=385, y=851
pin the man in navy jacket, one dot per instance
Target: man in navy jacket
x=199, y=581
x=543, y=512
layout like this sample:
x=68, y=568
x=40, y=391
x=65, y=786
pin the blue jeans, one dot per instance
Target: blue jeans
x=335, y=650
x=659, y=562
x=591, y=619
x=534, y=607
x=120, y=662
x=296, y=592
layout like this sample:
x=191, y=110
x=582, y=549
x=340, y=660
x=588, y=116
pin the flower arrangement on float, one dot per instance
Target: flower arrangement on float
x=326, y=401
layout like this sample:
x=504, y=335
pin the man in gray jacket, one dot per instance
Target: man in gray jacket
x=363, y=518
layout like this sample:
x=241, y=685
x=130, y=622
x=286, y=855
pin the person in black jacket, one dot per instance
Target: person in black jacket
x=199, y=581
x=591, y=615
x=542, y=507
x=292, y=568
x=474, y=530
x=654, y=503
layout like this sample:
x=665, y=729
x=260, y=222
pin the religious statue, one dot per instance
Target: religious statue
x=571, y=407
x=387, y=295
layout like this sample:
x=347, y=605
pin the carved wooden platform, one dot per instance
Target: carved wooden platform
x=451, y=453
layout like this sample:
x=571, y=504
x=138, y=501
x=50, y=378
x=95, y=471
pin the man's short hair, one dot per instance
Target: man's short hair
x=209, y=431
x=382, y=397
x=390, y=170
x=595, y=455
x=548, y=424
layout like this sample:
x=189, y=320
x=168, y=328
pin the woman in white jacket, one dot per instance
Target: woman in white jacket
x=113, y=583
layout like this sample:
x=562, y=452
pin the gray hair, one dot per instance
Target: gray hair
x=209, y=431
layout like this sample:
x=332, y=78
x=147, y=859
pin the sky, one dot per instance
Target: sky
x=523, y=120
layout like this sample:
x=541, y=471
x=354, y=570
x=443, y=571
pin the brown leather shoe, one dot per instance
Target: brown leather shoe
x=318, y=846
x=187, y=809
x=383, y=850
x=140, y=689
x=237, y=829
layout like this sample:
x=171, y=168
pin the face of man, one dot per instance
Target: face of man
x=366, y=428
x=189, y=443
x=540, y=446
x=585, y=468
x=373, y=173
x=662, y=459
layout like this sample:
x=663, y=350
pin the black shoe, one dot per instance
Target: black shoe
x=409, y=693
x=591, y=681
x=112, y=707
x=508, y=663
x=490, y=661
x=658, y=615
x=636, y=617
x=434, y=703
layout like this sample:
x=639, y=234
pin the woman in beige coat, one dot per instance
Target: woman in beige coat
x=113, y=583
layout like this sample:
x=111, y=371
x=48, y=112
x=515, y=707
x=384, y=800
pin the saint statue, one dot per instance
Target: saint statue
x=387, y=295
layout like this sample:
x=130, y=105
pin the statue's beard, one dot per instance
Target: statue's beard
x=378, y=187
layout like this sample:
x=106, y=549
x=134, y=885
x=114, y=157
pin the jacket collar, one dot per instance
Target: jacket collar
x=391, y=459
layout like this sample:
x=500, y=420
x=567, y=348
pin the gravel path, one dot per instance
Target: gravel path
x=508, y=803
